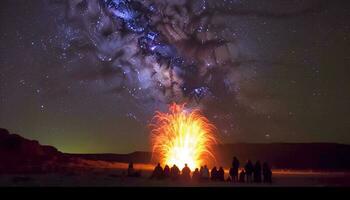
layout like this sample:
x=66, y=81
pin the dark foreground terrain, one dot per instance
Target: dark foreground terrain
x=115, y=177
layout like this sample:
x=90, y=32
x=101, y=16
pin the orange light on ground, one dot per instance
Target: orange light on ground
x=181, y=136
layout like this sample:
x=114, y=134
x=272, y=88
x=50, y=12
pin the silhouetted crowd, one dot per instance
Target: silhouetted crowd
x=249, y=173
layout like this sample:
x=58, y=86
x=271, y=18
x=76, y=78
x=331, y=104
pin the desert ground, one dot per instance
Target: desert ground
x=113, y=175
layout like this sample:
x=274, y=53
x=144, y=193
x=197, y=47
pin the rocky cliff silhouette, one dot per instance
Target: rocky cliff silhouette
x=20, y=155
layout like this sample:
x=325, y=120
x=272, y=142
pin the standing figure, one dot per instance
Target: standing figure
x=235, y=167
x=257, y=172
x=249, y=171
x=267, y=173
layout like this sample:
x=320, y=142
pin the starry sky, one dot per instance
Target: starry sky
x=88, y=75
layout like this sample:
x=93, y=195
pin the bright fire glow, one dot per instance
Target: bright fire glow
x=181, y=136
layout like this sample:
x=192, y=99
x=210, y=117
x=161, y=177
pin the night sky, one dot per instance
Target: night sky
x=87, y=76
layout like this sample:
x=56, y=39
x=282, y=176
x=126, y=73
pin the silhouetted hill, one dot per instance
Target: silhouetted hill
x=18, y=154
x=135, y=157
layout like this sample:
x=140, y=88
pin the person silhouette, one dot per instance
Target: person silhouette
x=157, y=172
x=242, y=176
x=214, y=174
x=166, y=172
x=267, y=173
x=249, y=171
x=231, y=174
x=174, y=172
x=221, y=174
x=132, y=172
x=186, y=173
x=196, y=175
x=201, y=172
x=257, y=172
x=205, y=174
x=235, y=167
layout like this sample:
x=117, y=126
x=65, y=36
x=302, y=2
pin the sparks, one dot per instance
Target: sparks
x=182, y=137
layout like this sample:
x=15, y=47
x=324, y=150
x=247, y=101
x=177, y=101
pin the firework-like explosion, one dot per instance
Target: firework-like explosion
x=182, y=137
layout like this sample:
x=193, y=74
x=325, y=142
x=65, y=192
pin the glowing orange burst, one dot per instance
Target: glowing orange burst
x=181, y=136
